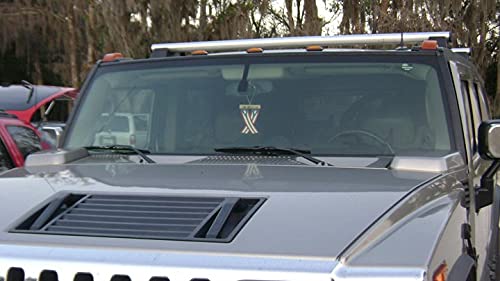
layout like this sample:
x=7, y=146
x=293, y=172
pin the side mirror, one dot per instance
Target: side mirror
x=489, y=149
x=489, y=140
x=52, y=135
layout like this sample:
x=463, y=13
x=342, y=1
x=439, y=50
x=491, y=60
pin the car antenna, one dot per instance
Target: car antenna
x=402, y=45
x=30, y=87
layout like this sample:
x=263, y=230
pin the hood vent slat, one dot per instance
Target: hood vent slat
x=221, y=218
x=132, y=219
x=215, y=219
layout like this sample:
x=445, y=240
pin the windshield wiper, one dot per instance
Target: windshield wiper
x=384, y=161
x=119, y=147
x=30, y=87
x=272, y=150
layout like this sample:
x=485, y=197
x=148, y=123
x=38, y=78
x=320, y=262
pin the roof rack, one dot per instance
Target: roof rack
x=165, y=49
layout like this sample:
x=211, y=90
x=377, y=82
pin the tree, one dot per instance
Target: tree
x=59, y=40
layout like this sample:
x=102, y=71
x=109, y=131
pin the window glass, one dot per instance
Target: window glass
x=329, y=108
x=472, y=112
x=119, y=124
x=37, y=117
x=57, y=110
x=483, y=103
x=5, y=160
x=26, y=139
x=476, y=111
x=141, y=122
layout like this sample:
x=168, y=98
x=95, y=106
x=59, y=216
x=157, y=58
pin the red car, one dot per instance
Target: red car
x=43, y=104
x=17, y=140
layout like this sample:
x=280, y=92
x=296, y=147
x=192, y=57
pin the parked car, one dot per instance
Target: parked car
x=123, y=129
x=266, y=159
x=18, y=139
x=45, y=107
x=42, y=104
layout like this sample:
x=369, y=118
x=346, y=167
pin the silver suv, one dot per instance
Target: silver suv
x=266, y=159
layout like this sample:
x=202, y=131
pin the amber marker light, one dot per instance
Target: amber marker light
x=254, y=50
x=112, y=57
x=199, y=53
x=314, y=48
x=440, y=273
x=429, y=45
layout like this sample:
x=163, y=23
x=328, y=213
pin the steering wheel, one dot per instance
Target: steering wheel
x=363, y=133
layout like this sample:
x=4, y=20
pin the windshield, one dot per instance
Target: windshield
x=326, y=105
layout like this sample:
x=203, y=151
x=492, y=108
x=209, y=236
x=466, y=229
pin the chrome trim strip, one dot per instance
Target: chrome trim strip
x=428, y=164
x=346, y=273
x=295, y=42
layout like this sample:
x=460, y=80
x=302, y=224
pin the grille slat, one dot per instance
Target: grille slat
x=102, y=212
x=147, y=217
x=152, y=202
x=156, y=198
x=103, y=218
x=132, y=216
x=136, y=225
x=119, y=232
x=144, y=208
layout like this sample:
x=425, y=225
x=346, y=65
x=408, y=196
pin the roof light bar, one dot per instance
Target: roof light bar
x=112, y=57
x=300, y=42
x=467, y=51
x=429, y=45
x=464, y=52
x=199, y=53
x=314, y=48
x=255, y=50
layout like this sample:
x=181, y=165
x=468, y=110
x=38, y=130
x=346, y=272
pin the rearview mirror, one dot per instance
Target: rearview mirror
x=489, y=140
x=255, y=87
x=489, y=148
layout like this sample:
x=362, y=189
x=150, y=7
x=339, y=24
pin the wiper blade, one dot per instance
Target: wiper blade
x=119, y=147
x=272, y=150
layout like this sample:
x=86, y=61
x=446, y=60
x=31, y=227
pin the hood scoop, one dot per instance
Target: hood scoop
x=211, y=219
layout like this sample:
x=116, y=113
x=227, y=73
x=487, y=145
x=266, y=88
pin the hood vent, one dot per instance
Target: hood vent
x=249, y=159
x=215, y=219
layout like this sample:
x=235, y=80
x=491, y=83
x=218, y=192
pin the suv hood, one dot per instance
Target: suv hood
x=309, y=212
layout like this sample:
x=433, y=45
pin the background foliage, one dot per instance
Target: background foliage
x=57, y=41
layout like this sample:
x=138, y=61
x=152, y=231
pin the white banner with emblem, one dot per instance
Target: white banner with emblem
x=250, y=113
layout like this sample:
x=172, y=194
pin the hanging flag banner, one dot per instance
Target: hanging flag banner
x=249, y=112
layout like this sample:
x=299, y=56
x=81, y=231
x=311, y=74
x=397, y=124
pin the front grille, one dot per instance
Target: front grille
x=18, y=274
